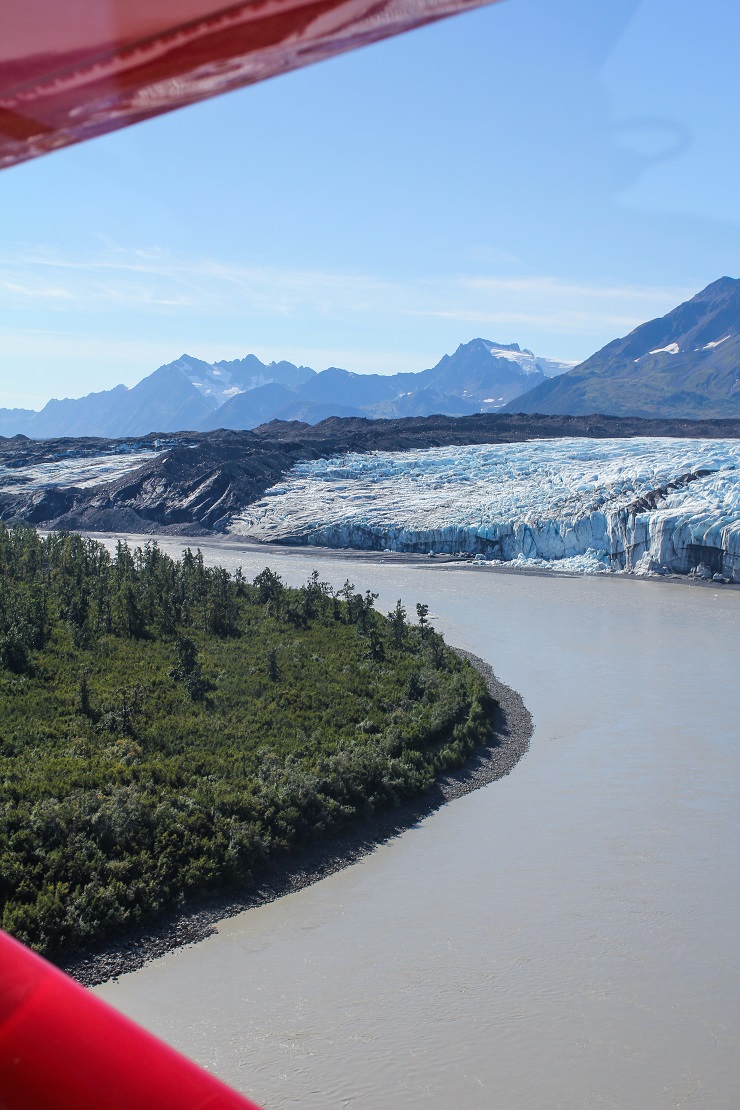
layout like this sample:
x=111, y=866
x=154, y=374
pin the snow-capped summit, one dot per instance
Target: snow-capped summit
x=529, y=362
x=491, y=374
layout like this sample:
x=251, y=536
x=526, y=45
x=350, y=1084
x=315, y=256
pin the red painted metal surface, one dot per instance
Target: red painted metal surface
x=61, y=1048
x=71, y=69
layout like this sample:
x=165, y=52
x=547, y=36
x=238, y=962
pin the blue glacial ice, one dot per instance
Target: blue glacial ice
x=639, y=505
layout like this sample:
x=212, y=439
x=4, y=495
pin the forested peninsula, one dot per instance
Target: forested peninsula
x=168, y=729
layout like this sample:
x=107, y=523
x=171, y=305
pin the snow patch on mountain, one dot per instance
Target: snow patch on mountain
x=670, y=349
x=214, y=383
x=639, y=505
x=529, y=363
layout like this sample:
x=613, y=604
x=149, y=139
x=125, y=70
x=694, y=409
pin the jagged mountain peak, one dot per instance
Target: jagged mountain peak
x=186, y=361
x=492, y=346
x=218, y=382
x=250, y=372
x=191, y=393
x=249, y=362
x=490, y=372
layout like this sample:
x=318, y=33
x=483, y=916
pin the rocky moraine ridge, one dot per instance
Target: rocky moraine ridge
x=199, y=483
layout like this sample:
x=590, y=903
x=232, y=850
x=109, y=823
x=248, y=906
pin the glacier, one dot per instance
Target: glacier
x=596, y=506
x=68, y=469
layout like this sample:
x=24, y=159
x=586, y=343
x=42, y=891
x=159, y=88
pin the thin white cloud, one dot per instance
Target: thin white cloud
x=159, y=281
x=556, y=287
x=129, y=358
x=563, y=322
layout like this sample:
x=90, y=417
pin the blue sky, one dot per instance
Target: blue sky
x=550, y=173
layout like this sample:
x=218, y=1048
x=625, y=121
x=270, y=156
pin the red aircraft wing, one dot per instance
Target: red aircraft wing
x=71, y=70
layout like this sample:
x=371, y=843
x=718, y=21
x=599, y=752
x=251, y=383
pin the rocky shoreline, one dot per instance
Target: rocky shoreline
x=512, y=729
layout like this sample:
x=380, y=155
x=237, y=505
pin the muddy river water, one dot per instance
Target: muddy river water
x=566, y=937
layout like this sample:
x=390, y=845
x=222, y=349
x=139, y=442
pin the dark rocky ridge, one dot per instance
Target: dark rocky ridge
x=200, y=480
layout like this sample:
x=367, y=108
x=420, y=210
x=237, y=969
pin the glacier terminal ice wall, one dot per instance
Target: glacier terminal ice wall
x=643, y=505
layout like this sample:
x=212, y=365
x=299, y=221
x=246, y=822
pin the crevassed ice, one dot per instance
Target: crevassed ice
x=576, y=504
x=70, y=471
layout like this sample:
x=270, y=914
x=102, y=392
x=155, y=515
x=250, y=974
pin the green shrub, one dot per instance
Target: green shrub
x=166, y=728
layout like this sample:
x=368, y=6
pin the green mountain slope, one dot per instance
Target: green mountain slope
x=685, y=364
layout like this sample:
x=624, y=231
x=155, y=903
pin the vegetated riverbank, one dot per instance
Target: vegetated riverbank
x=511, y=732
x=169, y=730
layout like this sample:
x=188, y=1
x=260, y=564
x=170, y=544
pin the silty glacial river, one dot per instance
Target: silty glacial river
x=566, y=937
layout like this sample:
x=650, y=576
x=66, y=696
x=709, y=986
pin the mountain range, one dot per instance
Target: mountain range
x=481, y=376
x=684, y=364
